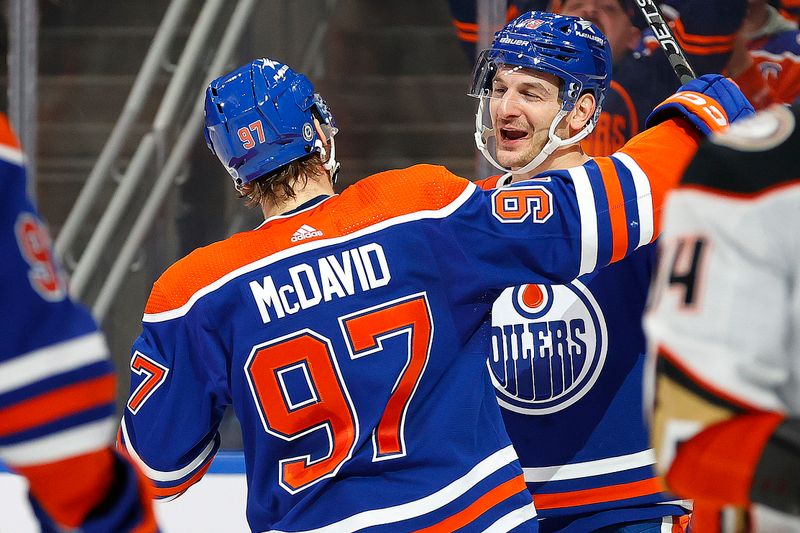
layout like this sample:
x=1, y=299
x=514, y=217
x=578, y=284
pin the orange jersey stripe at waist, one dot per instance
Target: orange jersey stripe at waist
x=575, y=498
x=57, y=404
x=478, y=507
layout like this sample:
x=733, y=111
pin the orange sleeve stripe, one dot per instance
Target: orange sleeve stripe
x=626, y=98
x=373, y=200
x=705, y=50
x=466, y=26
x=663, y=172
x=598, y=495
x=7, y=136
x=670, y=356
x=717, y=464
x=616, y=210
x=165, y=492
x=69, y=489
x=681, y=33
x=466, y=36
x=478, y=507
x=57, y=404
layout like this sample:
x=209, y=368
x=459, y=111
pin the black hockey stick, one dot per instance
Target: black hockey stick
x=668, y=43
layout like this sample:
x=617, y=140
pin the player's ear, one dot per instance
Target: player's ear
x=582, y=112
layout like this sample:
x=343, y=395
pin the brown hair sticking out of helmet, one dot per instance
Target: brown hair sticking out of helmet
x=282, y=184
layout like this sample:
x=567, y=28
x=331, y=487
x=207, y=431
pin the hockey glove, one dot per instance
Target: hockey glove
x=710, y=102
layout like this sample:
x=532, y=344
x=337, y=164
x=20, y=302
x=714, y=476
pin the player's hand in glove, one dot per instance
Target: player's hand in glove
x=710, y=102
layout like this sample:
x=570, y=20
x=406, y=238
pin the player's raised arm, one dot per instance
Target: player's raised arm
x=57, y=386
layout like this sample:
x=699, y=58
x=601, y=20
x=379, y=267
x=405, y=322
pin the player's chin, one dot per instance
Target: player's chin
x=510, y=158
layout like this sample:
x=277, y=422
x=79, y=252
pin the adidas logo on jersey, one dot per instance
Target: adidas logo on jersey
x=305, y=232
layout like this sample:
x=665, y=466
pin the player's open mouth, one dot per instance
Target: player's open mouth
x=508, y=135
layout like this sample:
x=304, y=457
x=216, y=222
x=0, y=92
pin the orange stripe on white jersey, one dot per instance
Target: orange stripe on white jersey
x=57, y=404
x=599, y=495
x=52, y=360
x=352, y=217
x=428, y=504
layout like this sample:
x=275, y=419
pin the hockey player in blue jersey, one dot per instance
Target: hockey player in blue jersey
x=348, y=332
x=57, y=386
x=566, y=361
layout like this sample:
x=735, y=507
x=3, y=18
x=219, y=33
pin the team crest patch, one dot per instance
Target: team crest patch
x=549, y=346
x=308, y=132
x=533, y=24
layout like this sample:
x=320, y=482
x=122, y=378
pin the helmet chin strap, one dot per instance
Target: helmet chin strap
x=330, y=164
x=554, y=142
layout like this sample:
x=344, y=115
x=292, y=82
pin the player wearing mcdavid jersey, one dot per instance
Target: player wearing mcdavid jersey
x=723, y=326
x=348, y=331
x=567, y=360
x=57, y=387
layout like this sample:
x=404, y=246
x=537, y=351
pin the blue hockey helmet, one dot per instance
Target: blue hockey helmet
x=570, y=48
x=260, y=117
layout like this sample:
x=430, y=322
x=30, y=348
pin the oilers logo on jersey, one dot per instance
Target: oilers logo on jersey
x=549, y=346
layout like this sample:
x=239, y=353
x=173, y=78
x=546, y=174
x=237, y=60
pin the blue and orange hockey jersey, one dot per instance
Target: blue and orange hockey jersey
x=643, y=77
x=774, y=76
x=350, y=338
x=57, y=387
x=567, y=362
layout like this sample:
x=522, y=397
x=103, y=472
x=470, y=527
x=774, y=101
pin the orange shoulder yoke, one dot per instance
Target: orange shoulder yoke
x=7, y=136
x=373, y=200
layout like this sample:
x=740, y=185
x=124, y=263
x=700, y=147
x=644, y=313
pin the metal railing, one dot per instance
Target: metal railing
x=166, y=145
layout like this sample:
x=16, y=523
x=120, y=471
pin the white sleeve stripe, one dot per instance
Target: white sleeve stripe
x=442, y=212
x=588, y=213
x=777, y=58
x=62, y=445
x=644, y=198
x=166, y=476
x=51, y=361
x=11, y=154
x=423, y=506
x=513, y=519
x=609, y=465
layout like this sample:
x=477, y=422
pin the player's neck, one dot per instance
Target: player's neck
x=566, y=157
x=316, y=185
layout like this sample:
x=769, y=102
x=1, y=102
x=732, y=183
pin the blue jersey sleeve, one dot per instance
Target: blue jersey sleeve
x=57, y=387
x=177, y=398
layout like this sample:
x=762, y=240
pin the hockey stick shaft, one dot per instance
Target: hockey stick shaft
x=683, y=70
